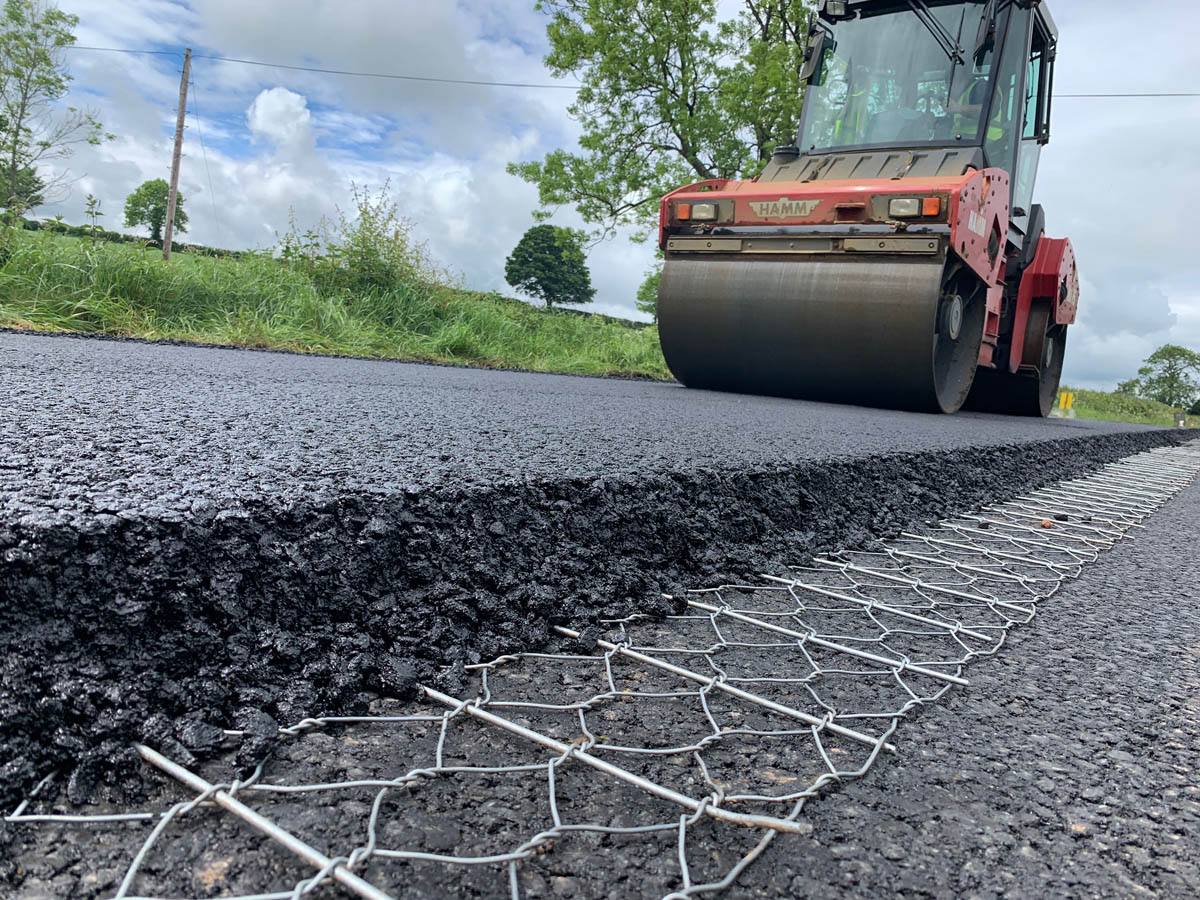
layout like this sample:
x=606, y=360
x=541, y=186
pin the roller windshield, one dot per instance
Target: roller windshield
x=889, y=79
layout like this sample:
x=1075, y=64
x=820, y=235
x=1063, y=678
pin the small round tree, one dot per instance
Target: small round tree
x=148, y=206
x=548, y=263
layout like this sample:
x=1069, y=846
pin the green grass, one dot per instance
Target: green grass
x=1124, y=408
x=58, y=283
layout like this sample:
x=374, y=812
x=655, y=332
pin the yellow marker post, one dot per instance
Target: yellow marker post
x=1066, y=406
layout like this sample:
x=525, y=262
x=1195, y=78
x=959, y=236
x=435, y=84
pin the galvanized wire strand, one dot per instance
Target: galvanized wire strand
x=731, y=715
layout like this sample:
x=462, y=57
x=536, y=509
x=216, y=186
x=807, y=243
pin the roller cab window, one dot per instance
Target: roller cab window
x=1039, y=80
x=906, y=74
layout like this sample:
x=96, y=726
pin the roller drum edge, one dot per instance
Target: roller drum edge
x=845, y=330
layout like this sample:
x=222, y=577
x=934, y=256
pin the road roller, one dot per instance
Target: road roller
x=893, y=256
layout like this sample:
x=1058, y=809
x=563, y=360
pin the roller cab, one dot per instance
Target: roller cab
x=893, y=256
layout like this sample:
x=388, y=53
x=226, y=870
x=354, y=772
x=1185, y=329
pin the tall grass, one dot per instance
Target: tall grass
x=346, y=302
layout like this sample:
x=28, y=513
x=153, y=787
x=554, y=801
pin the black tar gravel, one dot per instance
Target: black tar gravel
x=1063, y=770
x=194, y=539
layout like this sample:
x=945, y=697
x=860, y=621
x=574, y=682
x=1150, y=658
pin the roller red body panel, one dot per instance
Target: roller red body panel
x=1051, y=277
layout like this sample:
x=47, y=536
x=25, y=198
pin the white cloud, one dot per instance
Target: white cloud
x=281, y=117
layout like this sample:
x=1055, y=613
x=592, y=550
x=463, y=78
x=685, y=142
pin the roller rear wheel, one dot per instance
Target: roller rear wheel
x=1029, y=392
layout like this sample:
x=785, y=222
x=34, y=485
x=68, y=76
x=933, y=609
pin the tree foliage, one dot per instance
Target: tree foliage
x=148, y=206
x=1169, y=376
x=549, y=264
x=34, y=129
x=647, y=295
x=669, y=96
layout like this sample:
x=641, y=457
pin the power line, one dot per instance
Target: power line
x=1118, y=96
x=387, y=75
x=516, y=84
x=123, y=50
x=522, y=84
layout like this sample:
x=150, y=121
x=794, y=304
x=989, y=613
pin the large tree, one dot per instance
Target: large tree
x=669, y=95
x=148, y=206
x=549, y=264
x=1169, y=376
x=34, y=129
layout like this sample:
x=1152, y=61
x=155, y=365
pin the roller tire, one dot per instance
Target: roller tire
x=1026, y=393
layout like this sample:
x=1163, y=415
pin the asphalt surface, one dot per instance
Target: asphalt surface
x=1066, y=769
x=196, y=538
x=112, y=427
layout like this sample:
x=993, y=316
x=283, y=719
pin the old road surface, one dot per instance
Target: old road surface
x=989, y=620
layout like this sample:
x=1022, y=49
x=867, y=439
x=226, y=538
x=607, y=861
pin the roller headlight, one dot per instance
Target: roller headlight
x=914, y=207
x=904, y=208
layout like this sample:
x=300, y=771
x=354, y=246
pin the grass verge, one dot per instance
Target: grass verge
x=57, y=283
x=1124, y=408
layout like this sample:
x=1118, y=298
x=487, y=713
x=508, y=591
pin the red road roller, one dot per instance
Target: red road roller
x=893, y=256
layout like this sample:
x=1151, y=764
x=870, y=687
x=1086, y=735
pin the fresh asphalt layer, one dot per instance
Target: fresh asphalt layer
x=114, y=427
x=1064, y=769
x=193, y=539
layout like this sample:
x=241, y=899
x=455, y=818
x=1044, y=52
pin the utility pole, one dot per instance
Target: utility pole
x=173, y=190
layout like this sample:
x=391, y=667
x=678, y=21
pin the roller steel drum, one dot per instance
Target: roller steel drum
x=877, y=333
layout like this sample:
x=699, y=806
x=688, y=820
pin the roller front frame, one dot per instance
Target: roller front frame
x=781, y=295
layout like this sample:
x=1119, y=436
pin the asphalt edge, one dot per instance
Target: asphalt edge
x=249, y=348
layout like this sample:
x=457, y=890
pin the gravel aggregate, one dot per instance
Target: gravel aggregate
x=193, y=539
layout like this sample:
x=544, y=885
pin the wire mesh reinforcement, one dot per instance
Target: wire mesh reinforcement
x=684, y=745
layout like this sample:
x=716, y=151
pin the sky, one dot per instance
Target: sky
x=263, y=144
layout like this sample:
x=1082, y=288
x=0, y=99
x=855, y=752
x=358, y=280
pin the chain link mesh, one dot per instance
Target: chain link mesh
x=684, y=745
